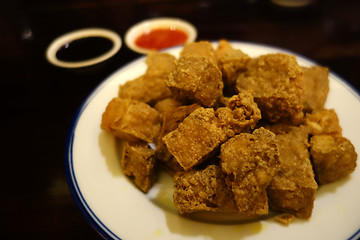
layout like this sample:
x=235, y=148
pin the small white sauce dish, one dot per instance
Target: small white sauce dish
x=150, y=24
x=66, y=39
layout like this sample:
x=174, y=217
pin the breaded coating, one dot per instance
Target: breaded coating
x=160, y=64
x=146, y=88
x=203, y=190
x=138, y=163
x=293, y=188
x=131, y=120
x=285, y=219
x=241, y=113
x=172, y=167
x=231, y=63
x=316, y=87
x=171, y=120
x=196, y=75
x=196, y=138
x=150, y=87
x=333, y=157
x=277, y=85
x=250, y=161
x=167, y=104
x=202, y=49
x=324, y=121
x=196, y=78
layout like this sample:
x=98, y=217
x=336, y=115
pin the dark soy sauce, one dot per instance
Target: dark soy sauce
x=84, y=49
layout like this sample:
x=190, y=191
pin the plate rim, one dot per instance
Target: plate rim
x=69, y=169
x=80, y=201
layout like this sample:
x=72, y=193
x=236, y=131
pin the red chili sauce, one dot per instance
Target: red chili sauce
x=161, y=38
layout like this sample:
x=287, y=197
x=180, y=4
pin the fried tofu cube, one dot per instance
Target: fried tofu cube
x=333, y=157
x=203, y=190
x=316, y=87
x=241, y=113
x=231, y=63
x=138, y=163
x=150, y=87
x=324, y=121
x=277, y=85
x=249, y=162
x=131, y=120
x=196, y=78
x=171, y=120
x=167, y=104
x=172, y=117
x=196, y=138
x=160, y=64
x=293, y=188
x=202, y=49
x=146, y=88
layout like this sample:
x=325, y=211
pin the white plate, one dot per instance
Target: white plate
x=118, y=210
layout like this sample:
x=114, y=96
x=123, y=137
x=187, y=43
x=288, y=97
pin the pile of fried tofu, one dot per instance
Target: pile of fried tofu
x=238, y=134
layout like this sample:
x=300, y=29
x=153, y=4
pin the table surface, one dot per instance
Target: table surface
x=41, y=100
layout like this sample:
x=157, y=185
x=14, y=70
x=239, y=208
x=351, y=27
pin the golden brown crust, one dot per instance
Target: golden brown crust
x=148, y=89
x=316, y=87
x=231, y=62
x=196, y=138
x=250, y=161
x=202, y=49
x=138, y=163
x=202, y=190
x=324, y=121
x=285, y=219
x=171, y=120
x=167, y=104
x=196, y=78
x=293, y=188
x=241, y=113
x=131, y=120
x=160, y=64
x=333, y=157
x=277, y=85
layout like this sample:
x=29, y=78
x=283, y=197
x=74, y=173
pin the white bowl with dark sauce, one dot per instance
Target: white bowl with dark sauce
x=83, y=48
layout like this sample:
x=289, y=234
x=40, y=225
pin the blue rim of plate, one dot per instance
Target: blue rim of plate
x=80, y=201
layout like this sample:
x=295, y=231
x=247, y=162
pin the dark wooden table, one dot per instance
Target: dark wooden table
x=41, y=100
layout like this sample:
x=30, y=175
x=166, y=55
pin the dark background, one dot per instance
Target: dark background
x=40, y=100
